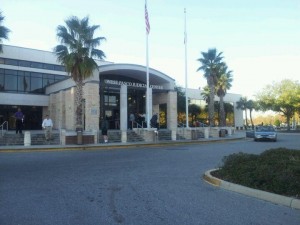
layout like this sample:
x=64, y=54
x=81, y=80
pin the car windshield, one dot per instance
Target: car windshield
x=265, y=128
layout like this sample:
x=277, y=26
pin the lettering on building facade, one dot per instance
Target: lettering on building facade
x=132, y=84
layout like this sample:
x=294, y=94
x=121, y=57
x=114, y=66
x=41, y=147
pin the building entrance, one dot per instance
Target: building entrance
x=110, y=105
x=32, y=116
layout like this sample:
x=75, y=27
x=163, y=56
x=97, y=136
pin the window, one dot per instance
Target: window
x=11, y=83
x=36, y=65
x=24, y=63
x=11, y=72
x=11, y=62
x=59, y=68
x=48, y=67
x=23, y=84
x=110, y=100
x=36, y=85
x=1, y=82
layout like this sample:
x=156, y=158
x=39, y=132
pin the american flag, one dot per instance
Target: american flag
x=147, y=20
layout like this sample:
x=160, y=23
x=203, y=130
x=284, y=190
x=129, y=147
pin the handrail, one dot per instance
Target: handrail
x=180, y=125
x=2, y=126
x=137, y=124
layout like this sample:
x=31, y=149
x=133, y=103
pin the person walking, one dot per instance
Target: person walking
x=47, y=126
x=19, y=121
x=104, y=130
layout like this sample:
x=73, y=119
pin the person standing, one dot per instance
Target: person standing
x=104, y=129
x=131, y=120
x=47, y=126
x=117, y=121
x=153, y=121
x=19, y=121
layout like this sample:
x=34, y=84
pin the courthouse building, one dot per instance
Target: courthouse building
x=37, y=83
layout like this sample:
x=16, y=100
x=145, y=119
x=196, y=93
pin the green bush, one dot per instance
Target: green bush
x=275, y=170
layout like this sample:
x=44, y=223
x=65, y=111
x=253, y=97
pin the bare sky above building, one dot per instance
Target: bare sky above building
x=259, y=39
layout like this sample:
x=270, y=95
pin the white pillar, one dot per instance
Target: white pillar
x=27, y=138
x=206, y=132
x=123, y=112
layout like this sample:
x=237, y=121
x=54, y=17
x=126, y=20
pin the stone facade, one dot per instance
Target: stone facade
x=62, y=108
x=169, y=98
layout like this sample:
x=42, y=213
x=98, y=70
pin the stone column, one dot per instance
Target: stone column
x=63, y=137
x=172, y=110
x=91, y=106
x=123, y=113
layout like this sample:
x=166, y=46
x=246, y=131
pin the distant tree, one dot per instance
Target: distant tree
x=210, y=63
x=194, y=110
x=180, y=99
x=224, y=83
x=229, y=110
x=283, y=97
x=242, y=104
x=4, y=31
x=77, y=52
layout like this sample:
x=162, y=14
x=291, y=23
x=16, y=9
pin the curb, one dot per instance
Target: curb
x=21, y=148
x=263, y=195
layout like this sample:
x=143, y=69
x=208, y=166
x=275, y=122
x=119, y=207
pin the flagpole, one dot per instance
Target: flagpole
x=147, y=67
x=186, y=81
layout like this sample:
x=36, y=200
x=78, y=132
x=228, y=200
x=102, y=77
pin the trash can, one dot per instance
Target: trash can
x=222, y=133
x=79, y=137
x=194, y=135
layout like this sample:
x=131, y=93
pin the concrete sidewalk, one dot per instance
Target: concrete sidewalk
x=9, y=148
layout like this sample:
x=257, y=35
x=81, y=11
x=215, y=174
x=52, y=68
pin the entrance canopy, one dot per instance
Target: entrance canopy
x=138, y=73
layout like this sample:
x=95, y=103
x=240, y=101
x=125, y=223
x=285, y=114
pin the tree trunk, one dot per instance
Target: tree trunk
x=78, y=103
x=211, y=108
x=222, y=112
x=251, y=119
x=246, y=119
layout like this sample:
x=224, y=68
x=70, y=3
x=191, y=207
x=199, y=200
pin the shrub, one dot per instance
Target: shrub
x=275, y=170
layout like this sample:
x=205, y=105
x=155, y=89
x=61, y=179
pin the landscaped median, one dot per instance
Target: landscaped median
x=267, y=196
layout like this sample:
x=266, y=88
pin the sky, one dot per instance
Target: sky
x=260, y=40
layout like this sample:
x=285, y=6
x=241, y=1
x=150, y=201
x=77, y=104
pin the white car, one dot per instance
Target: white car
x=267, y=133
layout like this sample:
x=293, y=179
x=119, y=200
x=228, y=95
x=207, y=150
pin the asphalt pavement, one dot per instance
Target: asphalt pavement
x=137, y=183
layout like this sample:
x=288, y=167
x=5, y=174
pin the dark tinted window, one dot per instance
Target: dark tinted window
x=24, y=63
x=36, y=65
x=36, y=85
x=11, y=83
x=48, y=67
x=23, y=84
x=11, y=62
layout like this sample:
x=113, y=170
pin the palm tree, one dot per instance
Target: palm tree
x=251, y=105
x=3, y=32
x=210, y=64
x=76, y=52
x=223, y=84
x=229, y=112
x=205, y=94
x=242, y=104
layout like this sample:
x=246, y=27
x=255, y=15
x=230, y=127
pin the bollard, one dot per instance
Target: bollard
x=27, y=138
x=206, y=132
x=79, y=137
